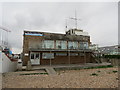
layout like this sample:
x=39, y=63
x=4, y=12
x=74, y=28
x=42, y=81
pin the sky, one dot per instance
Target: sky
x=99, y=19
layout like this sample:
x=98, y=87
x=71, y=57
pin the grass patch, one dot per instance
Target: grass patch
x=79, y=68
x=33, y=73
x=115, y=71
x=108, y=66
x=94, y=74
x=68, y=68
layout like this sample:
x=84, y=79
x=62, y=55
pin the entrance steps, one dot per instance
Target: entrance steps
x=50, y=71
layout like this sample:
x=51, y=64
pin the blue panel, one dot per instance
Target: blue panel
x=32, y=34
x=10, y=52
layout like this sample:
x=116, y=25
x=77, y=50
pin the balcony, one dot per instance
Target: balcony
x=65, y=50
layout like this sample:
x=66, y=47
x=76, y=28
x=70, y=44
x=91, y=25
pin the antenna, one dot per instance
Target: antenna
x=66, y=24
x=5, y=29
x=76, y=19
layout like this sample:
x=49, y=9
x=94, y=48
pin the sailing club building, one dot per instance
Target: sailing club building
x=43, y=48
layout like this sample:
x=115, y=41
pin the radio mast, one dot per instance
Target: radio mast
x=4, y=29
x=76, y=19
x=66, y=26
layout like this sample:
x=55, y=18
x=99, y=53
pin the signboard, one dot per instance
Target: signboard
x=26, y=54
x=34, y=34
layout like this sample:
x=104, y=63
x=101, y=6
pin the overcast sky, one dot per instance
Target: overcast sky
x=99, y=19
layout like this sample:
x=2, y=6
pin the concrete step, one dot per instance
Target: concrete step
x=50, y=71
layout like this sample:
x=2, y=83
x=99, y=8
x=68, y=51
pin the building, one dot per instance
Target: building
x=109, y=50
x=93, y=47
x=42, y=48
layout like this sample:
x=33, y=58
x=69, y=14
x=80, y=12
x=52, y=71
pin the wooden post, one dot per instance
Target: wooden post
x=50, y=59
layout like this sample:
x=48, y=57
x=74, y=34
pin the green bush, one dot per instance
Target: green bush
x=115, y=71
x=108, y=66
x=112, y=56
x=33, y=73
x=94, y=74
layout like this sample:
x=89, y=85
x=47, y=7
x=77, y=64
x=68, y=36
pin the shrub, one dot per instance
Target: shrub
x=112, y=56
x=33, y=73
x=94, y=74
x=115, y=71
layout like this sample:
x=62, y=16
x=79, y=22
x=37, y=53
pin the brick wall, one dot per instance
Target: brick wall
x=34, y=42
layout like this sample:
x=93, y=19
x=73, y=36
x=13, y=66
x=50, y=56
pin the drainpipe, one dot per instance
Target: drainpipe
x=69, y=57
x=50, y=59
x=84, y=55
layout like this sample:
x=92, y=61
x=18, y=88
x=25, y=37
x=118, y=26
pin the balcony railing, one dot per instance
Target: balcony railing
x=51, y=49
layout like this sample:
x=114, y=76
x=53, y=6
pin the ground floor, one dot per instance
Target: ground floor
x=83, y=78
x=57, y=57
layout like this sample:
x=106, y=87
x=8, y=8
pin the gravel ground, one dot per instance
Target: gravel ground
x=105, y=78
x=0, y=81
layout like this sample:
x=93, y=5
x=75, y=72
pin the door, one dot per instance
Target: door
x=35, y=58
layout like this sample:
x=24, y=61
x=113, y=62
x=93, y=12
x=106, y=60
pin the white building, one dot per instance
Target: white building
x=77, y=32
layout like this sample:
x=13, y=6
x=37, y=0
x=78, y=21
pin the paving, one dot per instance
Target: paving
x=71, y=65
x=50, y=68
x=50, y=71
x=81, y=78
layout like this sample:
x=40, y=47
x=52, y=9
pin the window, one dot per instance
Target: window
x=61, y=54
x=37, y=56
x=61, y=44
x=83, y=45
x=72, y=45
x=32, y=56
x=47, y=55
x=48, y=44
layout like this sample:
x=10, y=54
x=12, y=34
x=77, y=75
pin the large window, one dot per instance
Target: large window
x=83, y=45
x=61, y=44
x=61, y=54
x=72, y=45
x=48, y=44
x=47, y=55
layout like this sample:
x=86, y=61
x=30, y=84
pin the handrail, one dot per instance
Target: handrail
x=11, y=58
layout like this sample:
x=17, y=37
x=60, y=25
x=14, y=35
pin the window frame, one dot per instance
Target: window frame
x=62, y=43
x=45, y=44
x=52, y=57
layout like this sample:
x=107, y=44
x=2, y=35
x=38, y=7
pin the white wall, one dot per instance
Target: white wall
x=0, y=61
x=7, y=65
x=81, y=33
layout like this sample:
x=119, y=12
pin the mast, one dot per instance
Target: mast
x=76, y=19
x=6, y=30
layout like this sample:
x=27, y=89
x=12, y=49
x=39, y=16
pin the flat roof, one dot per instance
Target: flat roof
x=58, y=36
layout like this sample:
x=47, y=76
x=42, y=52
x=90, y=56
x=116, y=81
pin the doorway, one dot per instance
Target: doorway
x=35, y=58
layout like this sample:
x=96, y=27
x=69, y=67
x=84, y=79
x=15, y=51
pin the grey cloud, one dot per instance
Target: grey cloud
x=98, y=19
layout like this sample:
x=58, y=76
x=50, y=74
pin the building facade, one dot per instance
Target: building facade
x=42, y=48
x=110, y=50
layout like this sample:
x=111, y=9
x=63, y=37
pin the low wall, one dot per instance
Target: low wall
x=0, y=62
x=7, y=65
x=113, y=62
